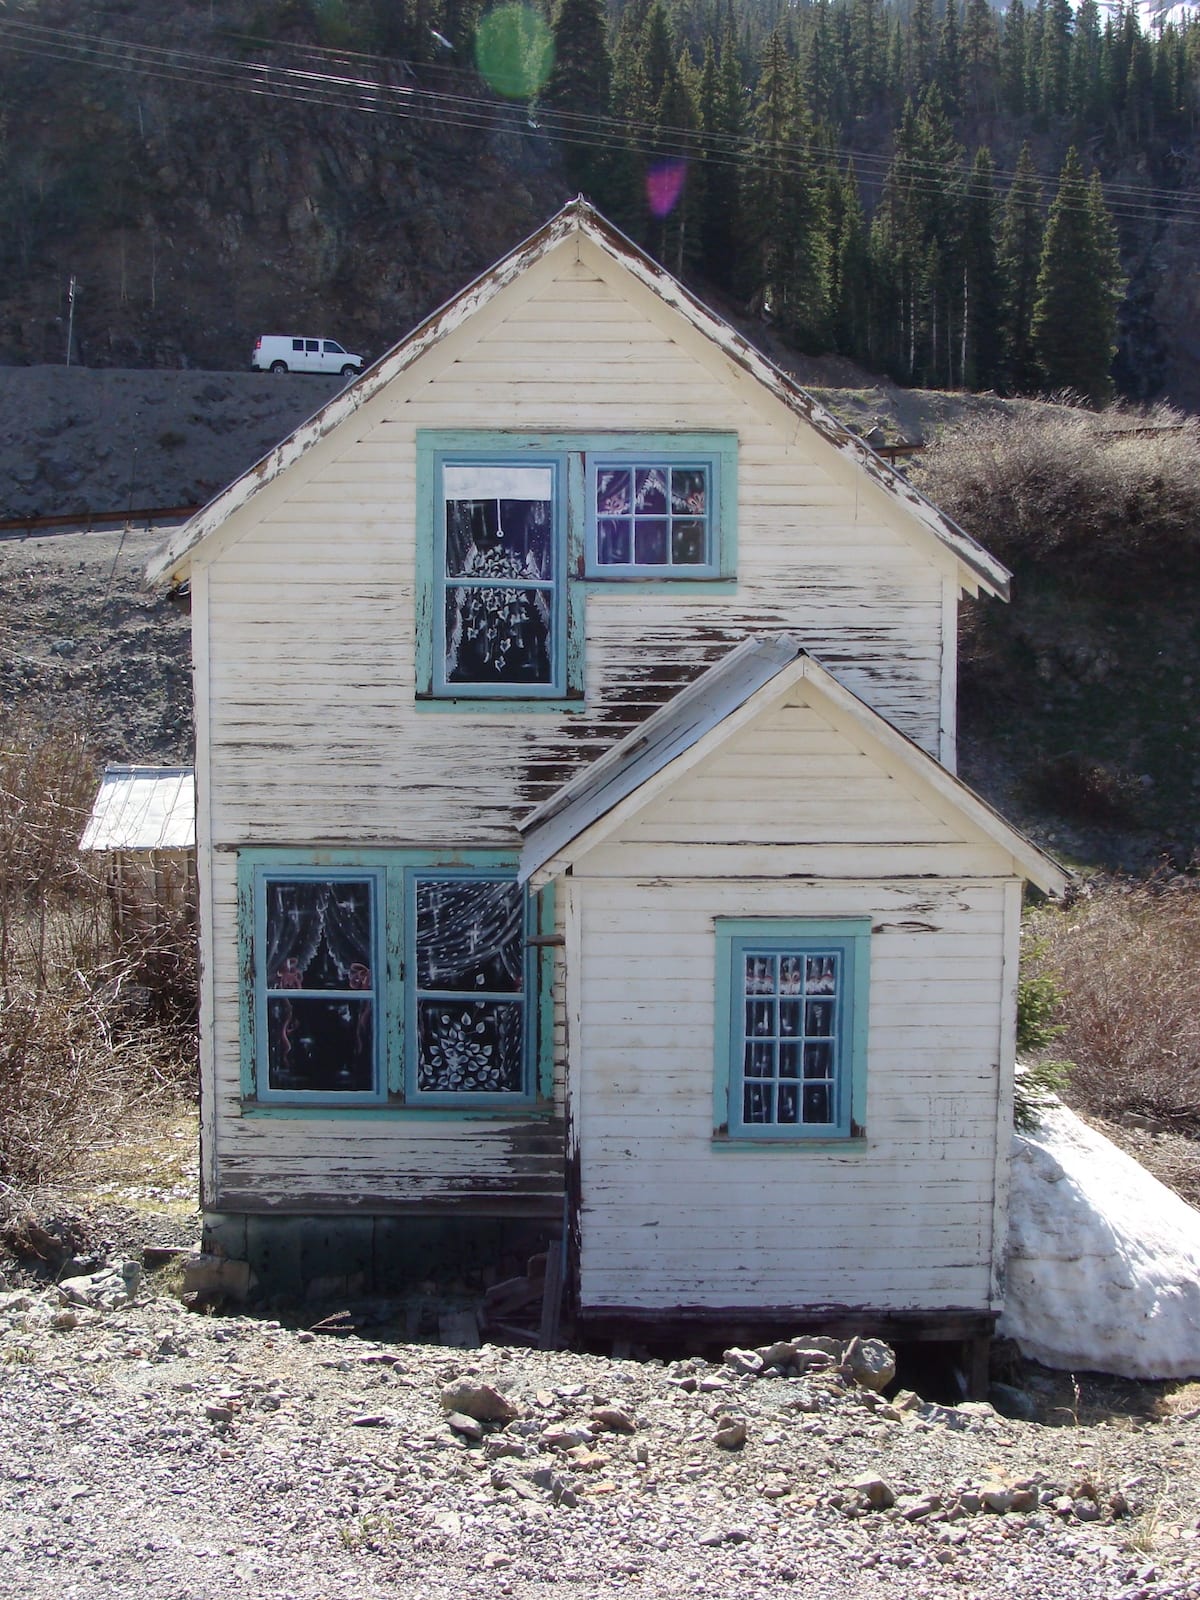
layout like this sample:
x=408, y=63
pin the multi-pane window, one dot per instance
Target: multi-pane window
x=319, y=985
x=395, y=982
x=467, y=960
x=500, y=572
x=792, y=1020
x=790, y=1038
x=652, y=516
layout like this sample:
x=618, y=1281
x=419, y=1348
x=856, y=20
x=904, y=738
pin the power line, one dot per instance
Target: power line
x=349, y=90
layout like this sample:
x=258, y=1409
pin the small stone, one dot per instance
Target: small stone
x=1012, y=1402
x=996, y=1497
x=744, y=1361
x=219, y=1413
x=872, y=1363
x=1086, y=1510
x=565, y=1438
x=731, y=1433
x=915, y=1508
x=478, y=1400
x=614, y=1419
x=460, y=1423
x=877, y=1492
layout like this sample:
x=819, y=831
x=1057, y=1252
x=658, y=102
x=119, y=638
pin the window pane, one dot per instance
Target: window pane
x=760, y=974
x=498, y=635
x=650, y=544
x=818, y=1059
x=650, y=491
x=687, y=544
x=821, y=974
x=470, y=936
x=471, y=1046
x=790, y=1057
x=818, y=1019
x=818, y=1103
x=613, y=492
x=319, y=934
x=321, y=1045
x=613, y=543
x=501, y=536
x=689, y=491
x=760, y=1058
x=758, y=1103
x=790, y=1018
x=789, y=1102
x=760, y=1018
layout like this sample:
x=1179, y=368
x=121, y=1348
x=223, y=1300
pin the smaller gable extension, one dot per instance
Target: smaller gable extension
x=975, y=568
x=750, y=687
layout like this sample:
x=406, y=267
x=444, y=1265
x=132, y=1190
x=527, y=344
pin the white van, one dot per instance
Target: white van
x=280, y=352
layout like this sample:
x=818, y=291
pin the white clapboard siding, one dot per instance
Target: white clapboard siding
x=906, y=1217
x=306, y=605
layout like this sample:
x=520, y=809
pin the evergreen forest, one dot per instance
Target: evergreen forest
x=821, y=163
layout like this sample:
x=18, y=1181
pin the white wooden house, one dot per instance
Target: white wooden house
x=578, y=829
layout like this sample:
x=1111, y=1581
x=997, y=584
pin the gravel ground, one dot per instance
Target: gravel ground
x=151, y=1451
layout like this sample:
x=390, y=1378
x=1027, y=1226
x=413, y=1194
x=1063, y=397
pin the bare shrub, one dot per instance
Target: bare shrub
x=87, y=1030
x=1126, y=959
x=1117, y=485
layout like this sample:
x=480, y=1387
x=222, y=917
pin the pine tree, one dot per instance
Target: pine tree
x=720, y=112
x=1014, y=49
x=1079, y=283
x=787, y=245
x=949, y=60
x=980, y=358
x=1054, y=70
x=579, y=91
x=850, y=267
x=1020, y=253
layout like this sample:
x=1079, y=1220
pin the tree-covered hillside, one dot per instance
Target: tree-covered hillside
x=941, y=192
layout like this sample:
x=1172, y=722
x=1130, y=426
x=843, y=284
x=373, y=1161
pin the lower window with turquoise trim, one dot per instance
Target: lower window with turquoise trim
x=791, y=1028
x=392, y=979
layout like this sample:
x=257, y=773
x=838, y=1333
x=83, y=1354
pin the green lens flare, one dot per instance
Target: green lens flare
x=514, y=51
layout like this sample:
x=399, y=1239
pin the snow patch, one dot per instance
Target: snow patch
x=1103, y=1260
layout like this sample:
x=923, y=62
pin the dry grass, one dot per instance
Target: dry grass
x=85, y=1037
x=1115, y=486
x=1125, y=959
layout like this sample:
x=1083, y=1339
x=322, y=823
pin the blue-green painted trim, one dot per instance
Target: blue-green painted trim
x=735, y=934
x=255, y=1066
x=399, y=1113
x=435, y=449
x=393, y=871
x=412, y=1094
x=716, y=451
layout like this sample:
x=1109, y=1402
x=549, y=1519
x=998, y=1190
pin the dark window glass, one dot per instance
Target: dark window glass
x=319, y=969
x=652, y=515
x=470, y=975
x=500, y=574
x=790, y=1049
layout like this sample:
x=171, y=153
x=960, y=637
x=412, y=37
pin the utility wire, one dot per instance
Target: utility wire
x=348, y=90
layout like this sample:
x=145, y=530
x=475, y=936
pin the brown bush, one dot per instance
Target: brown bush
x=1117, y=486
x=87, y=1030
x=1126, y=960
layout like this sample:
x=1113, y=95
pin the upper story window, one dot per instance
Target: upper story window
x=652, y=517
x=509, y=523
x=500, y=563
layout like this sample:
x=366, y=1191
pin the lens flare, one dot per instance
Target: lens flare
x=664, y=185
x=514, y=51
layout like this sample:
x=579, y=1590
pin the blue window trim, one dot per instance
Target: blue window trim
x=735, y=938
x=394, y=873
x=439, y=449
x=717, y=453
x=571, y=453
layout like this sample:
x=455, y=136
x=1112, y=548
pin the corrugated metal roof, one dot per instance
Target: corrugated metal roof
x=143, y=808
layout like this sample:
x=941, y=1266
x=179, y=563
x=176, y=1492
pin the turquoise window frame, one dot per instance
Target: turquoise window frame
x=735, y=939
x=571, y=455
x=394, y=873
x=716, y=454
x=413, y=994
x=437, y=450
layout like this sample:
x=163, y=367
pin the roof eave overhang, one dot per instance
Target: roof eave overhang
x=977, y=569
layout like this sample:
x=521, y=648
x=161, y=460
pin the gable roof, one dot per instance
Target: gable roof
x=753, y=677
x=976, y=567
x=143, y=808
